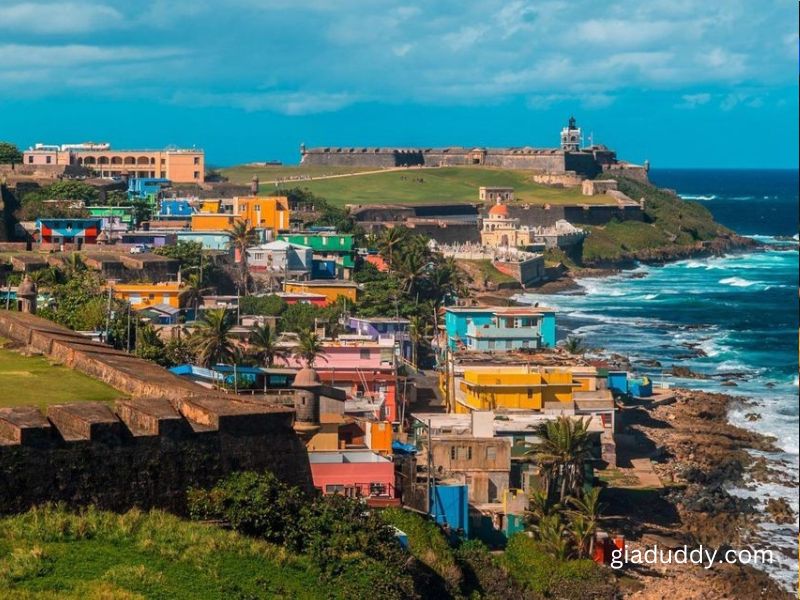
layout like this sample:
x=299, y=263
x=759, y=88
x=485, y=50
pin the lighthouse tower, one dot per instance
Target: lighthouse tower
x=571, y=137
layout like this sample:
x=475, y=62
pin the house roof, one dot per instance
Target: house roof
x=162, y=308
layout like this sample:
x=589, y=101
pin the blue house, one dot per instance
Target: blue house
x=211, y=240
x=141, y=188
x=378, y=328
x=500, y=329
x=175, y=208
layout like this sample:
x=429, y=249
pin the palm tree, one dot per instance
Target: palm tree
x=264, y=344
x=574, y=345
x=582, y=533
x=411, y=267
x=390, y=240
x=73, y=265
x=193, y=291
x=552, y=536
x=587, y=509
x=562, y=449
x=44, y=278
x=242, y=237
x=211, y=339
x=539, y=507
x=419, y=330
x=309, y=348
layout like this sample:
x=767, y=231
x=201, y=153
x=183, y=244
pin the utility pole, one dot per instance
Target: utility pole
x=108, y=314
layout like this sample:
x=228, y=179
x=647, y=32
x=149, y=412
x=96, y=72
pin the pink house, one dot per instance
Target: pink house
x=355, y=473
x=349, y=354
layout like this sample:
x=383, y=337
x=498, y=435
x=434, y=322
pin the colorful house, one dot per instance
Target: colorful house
x=303, y=298
x=279, y=257
x=331, y=289
x=212, y=221
x=515, y=387
x=146, y=188
x=500, y=329
x=379, y=328
x=355, y=473
x=328, y=247
x=271, y=213
x=69, y=231
x=175, y=208
x=144, y=295
x=122, y=216
x=211, y=240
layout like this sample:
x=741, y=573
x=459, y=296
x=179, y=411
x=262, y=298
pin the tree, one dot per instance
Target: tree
x=563, y=448
x=178, y=352
x=242, y=237
x=264, y=345
x=309, y=348
x=67, y=189
x=211, y=340
x=575, y=345
x=270, y=305
x=585, y=514
x=193, y=291
x=149, y=346
x=390, y=240
x=419, y=330
x=9, y=154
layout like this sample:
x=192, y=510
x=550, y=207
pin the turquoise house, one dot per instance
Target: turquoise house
x=211, y=240
x=500, y=329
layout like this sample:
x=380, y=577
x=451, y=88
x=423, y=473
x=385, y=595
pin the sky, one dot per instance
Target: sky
x=682, y=83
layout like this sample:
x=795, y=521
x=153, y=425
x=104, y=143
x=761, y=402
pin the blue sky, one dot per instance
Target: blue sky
x=683, y=83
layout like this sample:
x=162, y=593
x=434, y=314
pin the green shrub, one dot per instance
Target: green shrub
x=538, y=572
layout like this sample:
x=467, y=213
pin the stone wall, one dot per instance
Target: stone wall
x=579, y=214
x=145, y=452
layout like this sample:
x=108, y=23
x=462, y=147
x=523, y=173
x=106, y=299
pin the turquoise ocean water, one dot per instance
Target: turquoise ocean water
x=731, y=317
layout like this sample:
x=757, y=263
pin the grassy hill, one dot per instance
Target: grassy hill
x=49, y=553
x=412, y=186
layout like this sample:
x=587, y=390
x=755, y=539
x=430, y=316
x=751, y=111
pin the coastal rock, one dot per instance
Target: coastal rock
x=780, y=511
x=685, y=373
x=752, y=417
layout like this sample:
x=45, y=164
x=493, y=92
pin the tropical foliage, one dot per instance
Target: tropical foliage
x=211, y=340
x=263, y=345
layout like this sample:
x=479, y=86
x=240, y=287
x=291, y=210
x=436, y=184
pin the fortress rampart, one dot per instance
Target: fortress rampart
x=147, y=450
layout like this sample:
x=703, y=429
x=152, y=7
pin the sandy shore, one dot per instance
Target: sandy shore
x=695, y=453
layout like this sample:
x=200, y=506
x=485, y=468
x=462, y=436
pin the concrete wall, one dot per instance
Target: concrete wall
x=580, y=214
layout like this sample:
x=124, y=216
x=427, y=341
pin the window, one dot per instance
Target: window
x=377, y=489
x=363, y=354
x=30, y=159
x=197, y=174
x=49, y=159
x=491, y=453
x=452, y=452
x=530, y=393
x=197, y=160
x=334, y=488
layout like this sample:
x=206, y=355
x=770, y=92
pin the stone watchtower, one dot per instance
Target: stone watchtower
x=26, y=296
x=254, y=186
x=306, y=403
x=571, y=137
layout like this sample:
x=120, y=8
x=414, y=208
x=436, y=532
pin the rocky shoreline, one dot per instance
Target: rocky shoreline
x=697, y=454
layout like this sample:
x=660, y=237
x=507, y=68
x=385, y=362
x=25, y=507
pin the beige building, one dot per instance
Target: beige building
x=501, y=230
x=175, y=164
x=495, y=194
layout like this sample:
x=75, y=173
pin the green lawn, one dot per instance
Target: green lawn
x=243, y=173
x=49, y=553
x=33, y=380
x=439, y=185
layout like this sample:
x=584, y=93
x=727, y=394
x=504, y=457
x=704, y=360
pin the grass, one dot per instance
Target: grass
x=441, y=185
x=484, y=270
x=242, y=174
x=36, y=381
x=51, y=553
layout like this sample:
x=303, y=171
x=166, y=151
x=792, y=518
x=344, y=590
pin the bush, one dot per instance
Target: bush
x=484, y=576
x=539, y=572
x=271, y=305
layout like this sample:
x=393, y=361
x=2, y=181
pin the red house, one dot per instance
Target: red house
x=356, y=474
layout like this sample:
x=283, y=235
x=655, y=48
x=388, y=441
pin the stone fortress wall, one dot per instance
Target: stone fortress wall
x=146, y=451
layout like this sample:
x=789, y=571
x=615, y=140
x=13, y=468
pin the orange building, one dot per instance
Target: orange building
x=212, y=221
x=178, y=165
x=263, y=212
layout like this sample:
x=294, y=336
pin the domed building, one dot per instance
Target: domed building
x=501, y=230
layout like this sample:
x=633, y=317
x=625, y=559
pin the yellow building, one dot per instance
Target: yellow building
x=501, y=230
x=142, y=295
x=518, y=387
x=211, y=206
x=263, y=212
x=330, y=288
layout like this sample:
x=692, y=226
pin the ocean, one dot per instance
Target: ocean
x=732, y=317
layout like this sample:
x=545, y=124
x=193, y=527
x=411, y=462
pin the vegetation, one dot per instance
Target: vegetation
x=670, y=222
x=574, y=345
x=563, y=448
x=309, y=347
x=49, y=552
x=211, y=340
x=352, y=549
x=264, y=345
x=37, y=382
x=538, y=571
x=9, y=154
x=243, y=236
x=435, y=185
x=269, y=174
x=67, y=189
x=485, y=272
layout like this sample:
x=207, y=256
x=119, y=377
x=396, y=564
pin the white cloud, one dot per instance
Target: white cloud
x=694, y=100
x=58, y=17
x=288, y=103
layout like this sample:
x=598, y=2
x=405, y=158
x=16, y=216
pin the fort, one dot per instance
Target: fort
x=569, y=159
x=169, y=435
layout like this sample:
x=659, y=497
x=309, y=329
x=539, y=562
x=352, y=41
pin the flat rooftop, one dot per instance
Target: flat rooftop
x=345, y=457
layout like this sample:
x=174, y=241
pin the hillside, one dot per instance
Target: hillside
x=51, y=553
x=673, y=229
x=412, y=186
